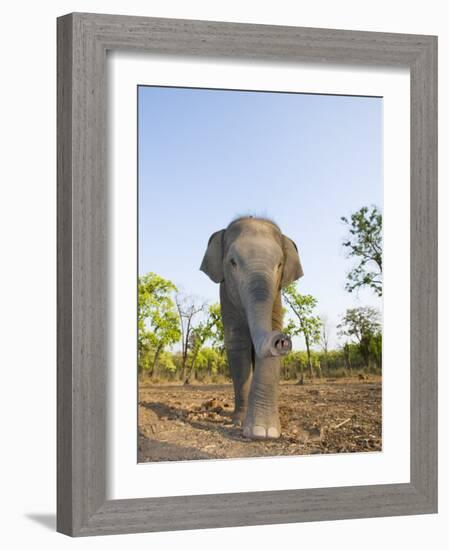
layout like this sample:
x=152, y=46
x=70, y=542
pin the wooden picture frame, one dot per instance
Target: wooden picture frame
x=83, y=40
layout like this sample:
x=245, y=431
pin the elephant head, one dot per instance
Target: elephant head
x=254, y=260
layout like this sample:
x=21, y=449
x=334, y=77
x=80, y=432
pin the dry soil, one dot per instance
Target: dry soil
x=194, y=421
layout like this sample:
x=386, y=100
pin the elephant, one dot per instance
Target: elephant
x=252, y=261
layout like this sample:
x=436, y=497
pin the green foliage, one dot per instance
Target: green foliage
x=306, y=322
x=209, y=363
x=293, y=365
x=336, y=363
x=375, y=349
x=210, y=329
x=161, y=310
x=157, y=319
x=360, y=322
x=165, y=363
x=365, y=244
x=363, y=325
x=303, y=307
x=216, y=329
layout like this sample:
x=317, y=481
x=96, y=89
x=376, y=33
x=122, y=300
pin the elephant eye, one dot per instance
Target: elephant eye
x=279, y=265
x=233, y=262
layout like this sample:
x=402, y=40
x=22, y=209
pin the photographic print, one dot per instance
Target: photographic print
x=259, y=317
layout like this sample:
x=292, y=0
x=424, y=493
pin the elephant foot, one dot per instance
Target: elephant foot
x=258, y=429
x=260, y=432
x=238, y=417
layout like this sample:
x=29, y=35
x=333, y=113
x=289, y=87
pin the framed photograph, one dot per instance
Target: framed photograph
x=247, y=274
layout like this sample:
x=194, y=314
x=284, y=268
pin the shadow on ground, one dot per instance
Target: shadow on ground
x=46, y=520
x=227, y=430
x=165, y=451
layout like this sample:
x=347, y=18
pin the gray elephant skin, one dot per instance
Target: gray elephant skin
x=252, y=261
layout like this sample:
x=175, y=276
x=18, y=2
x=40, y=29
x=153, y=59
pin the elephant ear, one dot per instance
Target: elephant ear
x=292, y=263
x=212, y=263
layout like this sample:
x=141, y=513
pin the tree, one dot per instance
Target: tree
x=376, y=349
x=166, y=365
x=208, y=360
x=188, y=308
x=211, y=328
x=144, y=349
x=365, y=244
x=302, y=306
x=324, y=336
x=347, y=355
x=157, y=319
x=325, y=333
x=217, y=329
x=363, y=325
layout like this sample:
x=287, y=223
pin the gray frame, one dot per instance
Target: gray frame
x=83, y=40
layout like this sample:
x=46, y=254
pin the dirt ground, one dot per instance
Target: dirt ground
x=194, y=421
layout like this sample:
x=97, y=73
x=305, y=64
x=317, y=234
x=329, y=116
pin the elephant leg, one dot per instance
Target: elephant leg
x=262, y=418
x=240, y=364
x=239, y=352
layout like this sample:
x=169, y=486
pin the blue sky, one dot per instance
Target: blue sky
x=206, y=156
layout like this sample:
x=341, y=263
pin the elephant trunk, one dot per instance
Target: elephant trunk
x=258, y=299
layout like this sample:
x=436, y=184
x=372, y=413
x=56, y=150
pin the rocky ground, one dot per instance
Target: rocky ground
x=194, y=421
